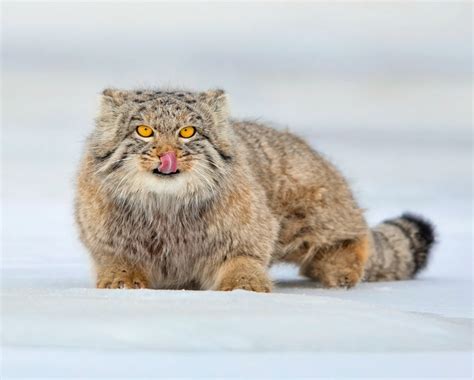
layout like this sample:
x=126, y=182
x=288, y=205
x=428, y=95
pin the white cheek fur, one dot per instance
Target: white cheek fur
x=184, y=187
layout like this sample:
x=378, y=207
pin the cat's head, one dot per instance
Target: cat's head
x=169, y=143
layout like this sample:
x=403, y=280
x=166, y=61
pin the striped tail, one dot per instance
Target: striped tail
x=401, y=248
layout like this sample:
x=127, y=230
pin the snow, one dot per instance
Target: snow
x=396, y=119
x=211, y=324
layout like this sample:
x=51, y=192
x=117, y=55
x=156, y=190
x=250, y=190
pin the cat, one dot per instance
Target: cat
x=174, y=194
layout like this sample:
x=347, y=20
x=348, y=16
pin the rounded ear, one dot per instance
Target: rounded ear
x=114, y=97
x=217, y=101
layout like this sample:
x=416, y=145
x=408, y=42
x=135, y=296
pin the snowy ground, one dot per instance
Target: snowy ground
x=396, y=120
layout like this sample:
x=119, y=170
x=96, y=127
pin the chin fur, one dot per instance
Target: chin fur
x=150, y=190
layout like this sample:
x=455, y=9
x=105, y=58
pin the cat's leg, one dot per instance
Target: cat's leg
x=114, y=274
x=242, y=272
x=340, y=265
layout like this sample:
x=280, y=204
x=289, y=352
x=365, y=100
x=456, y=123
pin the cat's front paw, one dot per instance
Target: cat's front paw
x=246, y=282
x=243, y=273
x=121, y=278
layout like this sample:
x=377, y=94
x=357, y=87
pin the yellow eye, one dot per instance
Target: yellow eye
x=144, y=131
x=187, y=132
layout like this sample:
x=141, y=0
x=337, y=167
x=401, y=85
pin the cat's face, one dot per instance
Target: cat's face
x=165, y=143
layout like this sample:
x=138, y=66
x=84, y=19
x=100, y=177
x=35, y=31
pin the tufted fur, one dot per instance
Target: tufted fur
x=245, y=196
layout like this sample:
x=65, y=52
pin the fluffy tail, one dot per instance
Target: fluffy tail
x=401, y=248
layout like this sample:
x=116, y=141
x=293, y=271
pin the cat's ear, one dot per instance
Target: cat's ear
x=113, y=97
x=217, y=101
x=105, y=137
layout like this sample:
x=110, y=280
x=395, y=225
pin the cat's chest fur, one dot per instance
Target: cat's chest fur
x=156, y=232
x=173, y=244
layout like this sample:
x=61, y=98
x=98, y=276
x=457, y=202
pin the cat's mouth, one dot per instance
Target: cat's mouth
x=157, y=172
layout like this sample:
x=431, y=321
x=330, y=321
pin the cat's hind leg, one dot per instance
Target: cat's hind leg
x=339, y=265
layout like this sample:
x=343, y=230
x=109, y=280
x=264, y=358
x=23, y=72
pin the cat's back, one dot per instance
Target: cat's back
x=278, y=155
x=285, y=165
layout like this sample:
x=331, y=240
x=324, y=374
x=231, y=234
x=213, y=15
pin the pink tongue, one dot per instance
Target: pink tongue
x=169, y=164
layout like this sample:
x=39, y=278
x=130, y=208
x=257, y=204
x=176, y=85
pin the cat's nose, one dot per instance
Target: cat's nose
x=169, y=163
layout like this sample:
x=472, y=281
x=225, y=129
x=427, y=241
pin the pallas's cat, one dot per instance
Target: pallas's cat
x=173, y=193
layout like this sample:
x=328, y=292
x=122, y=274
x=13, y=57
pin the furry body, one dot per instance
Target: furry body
x=245, y=196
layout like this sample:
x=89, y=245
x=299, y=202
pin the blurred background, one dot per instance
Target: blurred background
x=382, y=89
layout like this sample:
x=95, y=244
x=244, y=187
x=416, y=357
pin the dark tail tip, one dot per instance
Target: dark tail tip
x=425, y=239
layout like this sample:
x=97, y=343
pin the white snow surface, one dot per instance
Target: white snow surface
x=383, y=90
